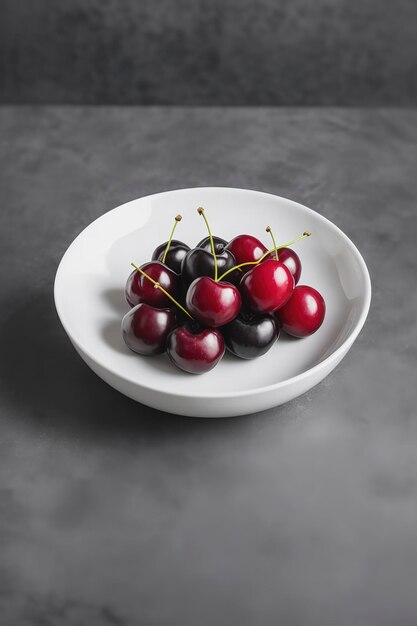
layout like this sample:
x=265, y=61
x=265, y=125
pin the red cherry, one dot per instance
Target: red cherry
x=304, y=312
x=245, y=249
x=211, y=303
x=267, y=286
x=195, y=350
x=288, y=257
x=140, y=289
x=145, y=329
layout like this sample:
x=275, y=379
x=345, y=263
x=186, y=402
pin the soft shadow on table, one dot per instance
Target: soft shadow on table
x=42, y=379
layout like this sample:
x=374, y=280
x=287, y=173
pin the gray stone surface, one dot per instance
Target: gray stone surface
x=327, y=52
x=114, y=514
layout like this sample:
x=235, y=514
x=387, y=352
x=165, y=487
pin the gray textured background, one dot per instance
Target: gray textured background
x=113, y=514
x=209, y=51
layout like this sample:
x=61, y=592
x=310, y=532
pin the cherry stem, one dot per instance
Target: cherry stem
x=269, y=230
x=200, y=210
x=284, y=245
x=158, y=286
x=177, y=219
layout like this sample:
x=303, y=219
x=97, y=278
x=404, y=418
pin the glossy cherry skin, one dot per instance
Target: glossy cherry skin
x=267, y=286
x=198, y=262
x=250, y=335
x=291, y=260
x=304, y=312
x=213, y=304
x=194, y=349
x=176, y=253
x=145, y=329
x=140, y=289
x=245, y=249
x=219, y=244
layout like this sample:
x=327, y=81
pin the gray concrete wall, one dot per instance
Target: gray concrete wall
x=349, y=52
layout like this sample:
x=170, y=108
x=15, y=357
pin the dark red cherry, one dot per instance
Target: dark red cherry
x=304, y=312
x=250, y=335
x=194, y=349
x=200, y=262
x=176, y=253
x=219, y=244
x=245, y=249
x=211, y=303
x=267, y=286
x=145, y=329
x=140, y=289
x=291, y=260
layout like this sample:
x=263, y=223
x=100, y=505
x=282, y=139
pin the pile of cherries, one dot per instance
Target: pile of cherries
x=195, y=303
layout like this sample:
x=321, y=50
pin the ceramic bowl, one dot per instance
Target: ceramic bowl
x=89, y=297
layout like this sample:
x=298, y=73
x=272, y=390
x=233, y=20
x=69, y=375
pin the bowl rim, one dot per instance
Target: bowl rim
x=339, y=352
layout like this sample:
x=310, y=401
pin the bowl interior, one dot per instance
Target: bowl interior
x=89, y=288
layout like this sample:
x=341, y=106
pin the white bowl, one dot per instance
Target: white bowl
x=89, y=297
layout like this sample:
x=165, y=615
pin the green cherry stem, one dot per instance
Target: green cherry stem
x=200, y=210
x=158, y=286
x=177, y=219
x=284, y=245
x=269, y=230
